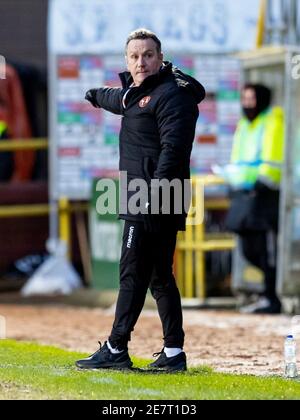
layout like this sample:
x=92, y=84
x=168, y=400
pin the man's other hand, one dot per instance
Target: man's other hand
x=91, y=96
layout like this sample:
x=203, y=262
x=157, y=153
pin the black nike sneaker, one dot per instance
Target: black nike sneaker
x=105, y=359
x=169, y=364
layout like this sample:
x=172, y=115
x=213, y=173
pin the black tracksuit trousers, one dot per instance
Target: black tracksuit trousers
x=147, y=261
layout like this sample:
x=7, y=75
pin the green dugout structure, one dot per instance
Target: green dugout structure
x=106, y=237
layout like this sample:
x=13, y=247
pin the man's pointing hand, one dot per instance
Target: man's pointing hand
x=91, y=96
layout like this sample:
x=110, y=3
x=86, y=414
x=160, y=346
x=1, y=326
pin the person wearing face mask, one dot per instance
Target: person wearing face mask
x=256, y=170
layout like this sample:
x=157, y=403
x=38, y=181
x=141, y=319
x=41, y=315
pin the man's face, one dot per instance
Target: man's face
x=249, y=98
x=143, y=59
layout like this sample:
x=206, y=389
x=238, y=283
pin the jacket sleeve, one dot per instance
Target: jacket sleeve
x=176, y=114
x=272, y=154
x=110, y=99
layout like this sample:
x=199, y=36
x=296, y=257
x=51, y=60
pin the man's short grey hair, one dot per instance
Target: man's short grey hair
x=143, y=33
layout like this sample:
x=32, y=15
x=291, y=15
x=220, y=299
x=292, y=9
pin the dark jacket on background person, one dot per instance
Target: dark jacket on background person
x=158, y=128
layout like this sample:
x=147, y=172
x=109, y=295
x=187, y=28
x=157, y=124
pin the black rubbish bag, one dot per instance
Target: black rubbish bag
x=253, y=211
x=239, y=218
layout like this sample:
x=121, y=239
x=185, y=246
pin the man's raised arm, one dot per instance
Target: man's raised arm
x=107, y=98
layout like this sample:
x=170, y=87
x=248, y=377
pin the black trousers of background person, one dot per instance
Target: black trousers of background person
x=260, y=249
x=147, y=261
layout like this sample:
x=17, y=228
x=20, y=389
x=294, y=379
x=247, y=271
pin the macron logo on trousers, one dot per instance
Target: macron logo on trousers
x=130, y=237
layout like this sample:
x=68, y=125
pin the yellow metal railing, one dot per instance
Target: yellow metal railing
x=24, y=210
x=31, y=144
x=65, y=208
x=193, y=244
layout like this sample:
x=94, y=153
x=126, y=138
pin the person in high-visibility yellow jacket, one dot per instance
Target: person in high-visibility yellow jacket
x=255, y=177
x=258, y=150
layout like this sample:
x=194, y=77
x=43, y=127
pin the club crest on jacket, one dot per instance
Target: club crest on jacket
x=144, y=102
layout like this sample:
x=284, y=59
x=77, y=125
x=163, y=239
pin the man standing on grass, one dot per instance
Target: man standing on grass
x=159, y=105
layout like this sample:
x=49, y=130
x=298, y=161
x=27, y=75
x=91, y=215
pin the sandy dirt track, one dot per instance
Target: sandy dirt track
x=226, y=341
